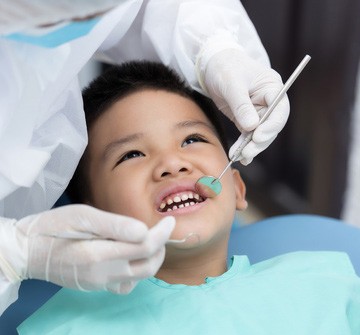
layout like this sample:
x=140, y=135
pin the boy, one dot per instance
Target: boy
x=150, y=139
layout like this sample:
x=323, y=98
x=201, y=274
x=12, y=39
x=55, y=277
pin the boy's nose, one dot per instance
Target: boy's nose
x=172, y=166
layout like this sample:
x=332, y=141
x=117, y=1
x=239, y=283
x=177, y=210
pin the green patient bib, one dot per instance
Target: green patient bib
x=307, y=293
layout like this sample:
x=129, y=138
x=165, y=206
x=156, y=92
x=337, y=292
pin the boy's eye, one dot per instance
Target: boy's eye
x=130, y=155
x=193, y=139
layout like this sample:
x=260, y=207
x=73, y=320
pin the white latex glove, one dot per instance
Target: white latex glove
x=128, y=252
x=242, y=88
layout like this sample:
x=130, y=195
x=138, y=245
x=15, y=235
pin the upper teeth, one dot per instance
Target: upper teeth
x=177, y=199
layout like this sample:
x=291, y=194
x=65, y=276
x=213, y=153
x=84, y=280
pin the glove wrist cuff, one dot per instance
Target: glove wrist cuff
x=8, y=271
x=13, y=257
x=216, y=43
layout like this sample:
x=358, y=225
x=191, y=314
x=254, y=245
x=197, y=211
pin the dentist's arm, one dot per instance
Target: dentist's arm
x=128, y=252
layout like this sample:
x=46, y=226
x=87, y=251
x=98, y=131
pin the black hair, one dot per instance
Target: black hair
x=120, y=81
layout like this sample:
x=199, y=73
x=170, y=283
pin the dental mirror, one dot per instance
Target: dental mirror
x=210, y=187
x=185, y=239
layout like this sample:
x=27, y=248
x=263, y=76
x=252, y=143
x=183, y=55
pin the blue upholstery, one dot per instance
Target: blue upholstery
x=32, y=295
x=282, y=234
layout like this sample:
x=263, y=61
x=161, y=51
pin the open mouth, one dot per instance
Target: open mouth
x=179, y=200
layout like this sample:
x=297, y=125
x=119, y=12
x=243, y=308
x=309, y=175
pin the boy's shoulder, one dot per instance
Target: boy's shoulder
x=315, y=261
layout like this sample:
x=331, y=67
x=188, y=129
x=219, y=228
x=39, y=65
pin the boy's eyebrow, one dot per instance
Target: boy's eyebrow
x=196, y=123
x=119, y=143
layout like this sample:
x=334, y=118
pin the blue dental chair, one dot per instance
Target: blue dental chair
x=261, y=240
x=298, y=232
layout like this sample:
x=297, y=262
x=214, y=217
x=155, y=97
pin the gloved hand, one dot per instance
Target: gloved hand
x=242, y=88
x=129, y=251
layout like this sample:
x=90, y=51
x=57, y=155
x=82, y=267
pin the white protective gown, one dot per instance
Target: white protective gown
x=42, y=126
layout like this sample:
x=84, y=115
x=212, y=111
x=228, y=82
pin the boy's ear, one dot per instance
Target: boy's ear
x=240, y=190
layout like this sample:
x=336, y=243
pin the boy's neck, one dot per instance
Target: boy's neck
x=192, y=269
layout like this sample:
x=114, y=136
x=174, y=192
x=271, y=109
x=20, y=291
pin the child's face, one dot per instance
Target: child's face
x=148, y=150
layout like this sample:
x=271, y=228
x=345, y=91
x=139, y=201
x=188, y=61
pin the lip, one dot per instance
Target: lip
x=174, y=188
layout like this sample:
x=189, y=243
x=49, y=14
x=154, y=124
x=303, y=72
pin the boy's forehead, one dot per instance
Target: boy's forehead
x=158, y=104
x=136, y=113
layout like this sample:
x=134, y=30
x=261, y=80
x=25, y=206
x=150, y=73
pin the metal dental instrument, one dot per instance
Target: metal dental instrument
x=74, y=235
x=209, y=186
x=78, y=235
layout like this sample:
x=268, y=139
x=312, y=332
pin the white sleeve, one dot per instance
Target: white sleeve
x=42, y=124
x=173, y=32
